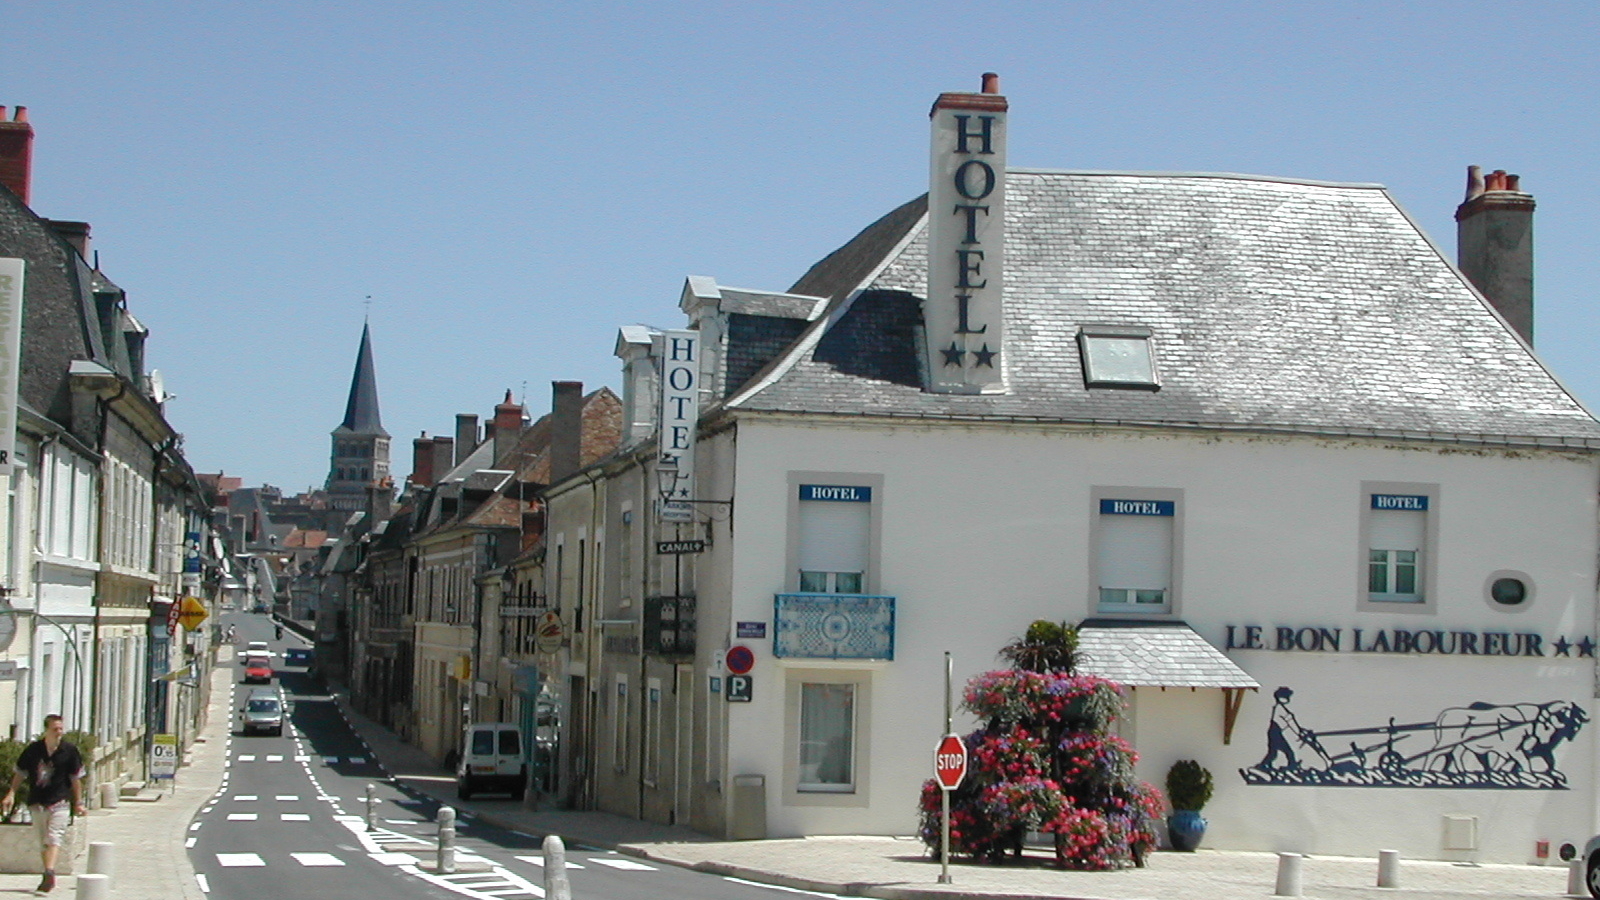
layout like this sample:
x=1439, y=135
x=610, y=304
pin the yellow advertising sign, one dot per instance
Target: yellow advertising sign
x=191, y=613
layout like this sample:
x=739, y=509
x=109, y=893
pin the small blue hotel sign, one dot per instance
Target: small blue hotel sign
x=838, y=493
x=1110, y=507
x=1400, y=501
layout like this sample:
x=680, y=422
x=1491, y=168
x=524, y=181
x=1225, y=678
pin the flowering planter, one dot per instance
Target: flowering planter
x=19, y=848
x=1186, y=828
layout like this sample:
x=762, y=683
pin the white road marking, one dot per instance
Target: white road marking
x=205, y=885
x=506, y=883
x=394, y=859
x=241, y=817
x=248, y=757
x=294, y=817
x=194, y=827
x=539, y=861
x=627, y=864
x=236, y=860
x=330, y=760
x=189, y=843
x=317, y=859
x=357, y=760
x=276, y=757
x=243, y=797
x=288, y=797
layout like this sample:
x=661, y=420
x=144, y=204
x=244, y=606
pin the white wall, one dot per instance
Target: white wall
x=985, y=529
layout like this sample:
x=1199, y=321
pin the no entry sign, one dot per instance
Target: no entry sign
x=950, y=762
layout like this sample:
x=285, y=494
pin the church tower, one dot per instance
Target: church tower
x=360, y=456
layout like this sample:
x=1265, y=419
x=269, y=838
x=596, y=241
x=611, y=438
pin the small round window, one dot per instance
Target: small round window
x=1509, y=591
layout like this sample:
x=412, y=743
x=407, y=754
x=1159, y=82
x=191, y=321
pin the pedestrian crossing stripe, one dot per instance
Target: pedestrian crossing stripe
x=294, y=817
x=317, y=859
x=539, y=861
x=241, y=817
x=626, y=864
x=235, y=860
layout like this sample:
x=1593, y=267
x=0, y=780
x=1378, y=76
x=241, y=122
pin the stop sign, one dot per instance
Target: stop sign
x=950, y=762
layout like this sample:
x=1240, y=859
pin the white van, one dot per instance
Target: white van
x=491, y=760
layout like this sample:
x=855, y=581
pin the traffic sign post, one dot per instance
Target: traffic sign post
x=949, y=767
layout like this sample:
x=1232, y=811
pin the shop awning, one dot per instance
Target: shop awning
x=1163, y=655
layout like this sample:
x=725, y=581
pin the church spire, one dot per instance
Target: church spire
x=361, y=410
x=360, y=454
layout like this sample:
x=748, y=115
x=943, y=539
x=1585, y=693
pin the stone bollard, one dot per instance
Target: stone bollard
x=371, y=802
x=100, y=859
x=1575, y=878
x=556, y=885
x=109, y=795
x=447, y=840
x=94, y=887
x=1288, y=875
x=1388, y=868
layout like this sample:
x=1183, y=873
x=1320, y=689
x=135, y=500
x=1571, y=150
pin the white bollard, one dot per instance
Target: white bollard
x=1575, y=878
x=556, y=885
x=109, y=795
x=100, y=859
x=370, y=803
x=1388, y=868
x=1288, y=875
x=447, y=840
x=93, y=887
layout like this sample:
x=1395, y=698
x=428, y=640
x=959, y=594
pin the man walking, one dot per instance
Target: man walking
x=54, y=770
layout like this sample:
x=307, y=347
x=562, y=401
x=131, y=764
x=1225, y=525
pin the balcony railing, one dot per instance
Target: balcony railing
x=833, y=626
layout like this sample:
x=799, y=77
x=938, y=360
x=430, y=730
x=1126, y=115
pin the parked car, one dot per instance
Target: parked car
x=263, y=710
x=491, y=760
x=255, y=648
x=257, y=670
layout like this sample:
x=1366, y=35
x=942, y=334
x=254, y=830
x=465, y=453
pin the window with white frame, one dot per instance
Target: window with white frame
x=827, y=738
x=833, y=538
x=1397, y=537
x=1134, y=553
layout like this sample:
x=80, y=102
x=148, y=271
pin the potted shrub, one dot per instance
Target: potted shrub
x=1189, y=789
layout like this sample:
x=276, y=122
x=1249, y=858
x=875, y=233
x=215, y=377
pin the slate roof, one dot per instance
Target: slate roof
x=1275, y=305
x=1155, y=654
x=361, y=408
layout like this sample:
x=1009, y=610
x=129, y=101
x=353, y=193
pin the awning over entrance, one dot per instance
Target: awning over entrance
x=1162, y=655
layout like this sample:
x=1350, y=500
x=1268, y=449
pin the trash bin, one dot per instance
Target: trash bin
x=749, y=821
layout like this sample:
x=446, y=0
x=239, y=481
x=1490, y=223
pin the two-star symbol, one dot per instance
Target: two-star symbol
x=1586, y=647
x=983, y=356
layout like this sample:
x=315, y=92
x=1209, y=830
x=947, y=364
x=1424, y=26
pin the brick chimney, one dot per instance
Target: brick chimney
x=74, y=233
x=1494, y=245
x=466, y=435
x=566, y=429
x=422, y=461
x=444, y=455
x=16, y=153
x=507, y=427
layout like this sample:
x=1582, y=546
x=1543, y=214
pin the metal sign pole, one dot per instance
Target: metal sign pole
x=944, y=793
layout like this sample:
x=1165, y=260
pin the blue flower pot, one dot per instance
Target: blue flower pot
x=1186, y=828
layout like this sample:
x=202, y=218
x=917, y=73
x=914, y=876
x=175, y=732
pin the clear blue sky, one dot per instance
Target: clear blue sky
x=511, y=182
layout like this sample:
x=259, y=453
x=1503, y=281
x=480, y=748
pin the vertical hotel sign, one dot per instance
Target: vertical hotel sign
x=966, y=242
x=680, y=411
x=10, y=354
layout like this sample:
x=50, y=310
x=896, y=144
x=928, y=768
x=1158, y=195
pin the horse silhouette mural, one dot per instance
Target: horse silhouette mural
x=1479, y=745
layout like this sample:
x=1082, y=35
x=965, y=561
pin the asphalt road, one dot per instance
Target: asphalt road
x=290, y=822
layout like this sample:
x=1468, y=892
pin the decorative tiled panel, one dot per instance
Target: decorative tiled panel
x=833, y=626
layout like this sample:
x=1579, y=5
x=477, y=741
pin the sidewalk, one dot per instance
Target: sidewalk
x=899, y=868
x=148, y=858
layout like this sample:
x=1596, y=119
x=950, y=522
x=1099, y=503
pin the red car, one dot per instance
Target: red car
x=257, y=670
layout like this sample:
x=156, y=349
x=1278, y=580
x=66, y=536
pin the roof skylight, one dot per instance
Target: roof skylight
x=1118, y=356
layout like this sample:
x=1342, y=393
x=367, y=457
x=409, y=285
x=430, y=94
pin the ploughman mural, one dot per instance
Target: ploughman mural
x=1479, y=745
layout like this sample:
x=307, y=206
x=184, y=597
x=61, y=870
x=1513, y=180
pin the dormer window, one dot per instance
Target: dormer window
x=1118, y=356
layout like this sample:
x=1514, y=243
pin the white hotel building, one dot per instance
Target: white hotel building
x=1321, y=508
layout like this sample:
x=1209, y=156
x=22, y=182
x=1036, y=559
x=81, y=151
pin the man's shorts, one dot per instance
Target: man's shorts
x=52, y=821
